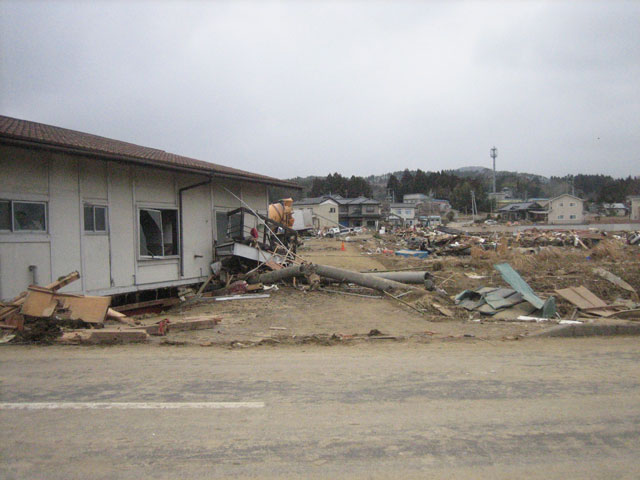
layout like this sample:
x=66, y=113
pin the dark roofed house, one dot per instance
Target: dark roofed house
x=127, y=217
x=532, y=211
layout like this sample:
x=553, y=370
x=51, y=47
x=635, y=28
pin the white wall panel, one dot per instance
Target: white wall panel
x=255, y=195
x=93, y=177
x=23, y=171
x=121, y=222
x=222, y=198
x=155, y=186
x=15, y=259
x=64, y=217
x=157, y=271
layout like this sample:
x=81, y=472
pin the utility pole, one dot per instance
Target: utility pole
x=493, y=154
x=474, y=208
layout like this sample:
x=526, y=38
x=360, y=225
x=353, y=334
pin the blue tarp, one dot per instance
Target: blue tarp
x=412, y=253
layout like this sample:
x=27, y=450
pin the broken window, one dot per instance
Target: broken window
x=95, y=218
x=158, y=232
x=23, y=216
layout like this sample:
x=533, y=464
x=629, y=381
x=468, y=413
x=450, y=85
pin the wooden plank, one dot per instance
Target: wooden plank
x=87, y=309
x=39, y=303
x=63, y=281
x=586, y=300
x=164, y=302
x=204, y=284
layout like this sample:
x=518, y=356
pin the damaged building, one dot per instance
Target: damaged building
x=128, y=218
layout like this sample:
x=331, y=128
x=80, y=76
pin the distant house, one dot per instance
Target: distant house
x=324, y=211
x=566, y=209
x=128, y=218
x=358, y=212
x=414, y=198
x=532, y=211
x=404, y=212
x=615, y=209
x=635, y=208
x=351, y=212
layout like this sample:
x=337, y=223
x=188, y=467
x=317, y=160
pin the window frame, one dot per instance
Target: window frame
x=141, y=256
x=12, y=229
x=93, y=209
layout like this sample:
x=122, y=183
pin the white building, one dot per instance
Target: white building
x=406, y=212
x=128, y=218
x=566, y=209
x=414, y=198
x=324, y=211
x=634, y=213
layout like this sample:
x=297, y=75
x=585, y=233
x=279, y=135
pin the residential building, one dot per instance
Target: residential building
x=615, y=209
x=635, y=208
x=324, y=211
x=358, y=212
x=403, y=214
x=414, y=198
x=128, y=218
x=531, y=211
x=566, y=209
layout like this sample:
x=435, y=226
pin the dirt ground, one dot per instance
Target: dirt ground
x=329, y=316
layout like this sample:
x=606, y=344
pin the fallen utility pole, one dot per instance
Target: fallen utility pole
x=364, y=280
x=403, y=277
x=282, y=274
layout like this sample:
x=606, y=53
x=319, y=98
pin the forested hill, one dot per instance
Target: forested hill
x=456, y=185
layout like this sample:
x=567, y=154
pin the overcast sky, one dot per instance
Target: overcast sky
x=309, y=88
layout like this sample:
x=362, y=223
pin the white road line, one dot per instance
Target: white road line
x=127, y=405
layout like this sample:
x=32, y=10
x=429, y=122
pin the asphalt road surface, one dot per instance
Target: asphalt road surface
x=555, y=408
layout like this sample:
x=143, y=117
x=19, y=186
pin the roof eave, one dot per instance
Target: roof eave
x=30, y=143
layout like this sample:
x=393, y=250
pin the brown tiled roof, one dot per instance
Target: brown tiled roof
x=48, y=135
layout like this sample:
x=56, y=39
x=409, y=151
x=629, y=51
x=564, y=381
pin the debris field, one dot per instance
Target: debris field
x=417, y=285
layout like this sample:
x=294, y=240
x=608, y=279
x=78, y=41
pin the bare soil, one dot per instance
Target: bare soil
x=292, y=315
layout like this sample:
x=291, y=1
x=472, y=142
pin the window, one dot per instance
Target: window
x=221, y=228
x=572, y=204
x=158, y=232
x=332, y=210
x=370, y=209
x=560, y=217
x=562, y=204
x=23, y=216
x=95, y=218
x=572, y=216
x=407, y=212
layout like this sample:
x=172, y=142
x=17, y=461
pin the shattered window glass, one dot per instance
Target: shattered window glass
x=158, y=233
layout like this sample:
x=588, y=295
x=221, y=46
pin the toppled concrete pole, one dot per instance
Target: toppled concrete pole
x=282, y=274
x=364, y=280
x=402, y=277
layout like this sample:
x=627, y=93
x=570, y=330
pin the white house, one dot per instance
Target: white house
x=127, y=217
x=324, y=211
x=565, y=209
x=634, y=213
x=414, y=198
x=406, y=211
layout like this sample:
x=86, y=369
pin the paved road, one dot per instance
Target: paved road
x=555, y=408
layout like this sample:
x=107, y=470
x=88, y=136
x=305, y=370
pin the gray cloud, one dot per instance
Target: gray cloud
x=300, y=88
